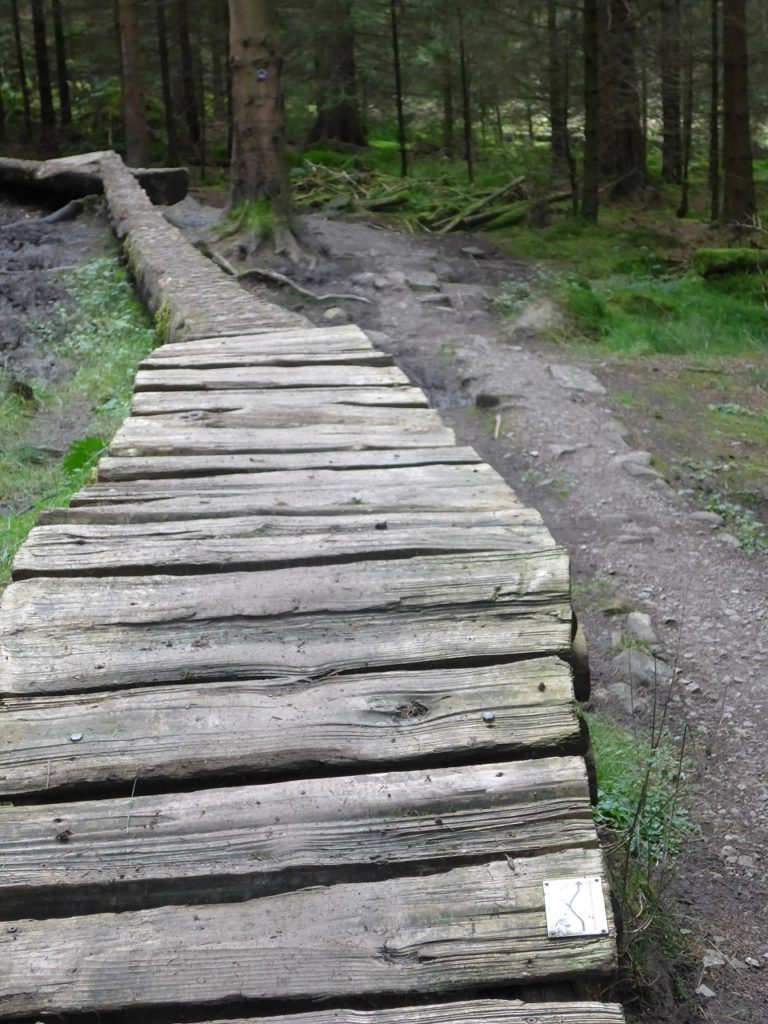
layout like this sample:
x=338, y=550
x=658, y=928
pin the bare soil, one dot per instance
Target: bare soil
x=567, y=445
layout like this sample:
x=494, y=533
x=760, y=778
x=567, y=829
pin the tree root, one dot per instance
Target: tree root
x=275, y=278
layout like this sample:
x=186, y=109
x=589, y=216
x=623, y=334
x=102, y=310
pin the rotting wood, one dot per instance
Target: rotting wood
x=291, y=339
x=243, y=842
x=285, y=726
x=240, y=377
x=354, y=481
x=482, y=1011
x=301, y=402
x=474, y=926
x=61, y=635
x=184, y=466
x=231, y=357
x=284, y=416
x=79, y=176
x=267, y=542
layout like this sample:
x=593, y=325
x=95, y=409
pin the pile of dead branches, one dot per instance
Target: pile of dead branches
x=437, y=206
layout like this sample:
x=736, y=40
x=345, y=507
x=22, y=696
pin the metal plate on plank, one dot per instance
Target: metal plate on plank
x=575, y=906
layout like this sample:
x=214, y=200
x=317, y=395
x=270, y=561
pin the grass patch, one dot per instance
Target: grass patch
x=101, y=334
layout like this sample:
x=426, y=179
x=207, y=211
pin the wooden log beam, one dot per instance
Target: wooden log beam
x=64, y=635
x=287, y=726
x=472, y=927
x=219, y=845
x=481, y=1011
x=75, y=177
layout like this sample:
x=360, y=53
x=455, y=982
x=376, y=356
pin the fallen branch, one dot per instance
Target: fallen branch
x=276, y=278
x=479, y=204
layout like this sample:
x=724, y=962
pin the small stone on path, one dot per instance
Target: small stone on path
x=335, y=315
x=422, y=280
x=576, y=379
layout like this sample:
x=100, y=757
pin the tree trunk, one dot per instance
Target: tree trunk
x=189, y=93
x=47, y=118
x=687, y=138
x=136, y=134
x=739, y=189
x=669, y=67
x=590, y=195
x=558, y=93
x=622, y=158
x=21, y=64
x=466, y=99
x=338, y=109
x=172, y=141
x=258, y=159
x=714, y=111
x=62, y=77
x=449, y=115
x=394, y=18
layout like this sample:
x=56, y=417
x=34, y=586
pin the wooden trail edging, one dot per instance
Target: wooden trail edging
x=286, y=713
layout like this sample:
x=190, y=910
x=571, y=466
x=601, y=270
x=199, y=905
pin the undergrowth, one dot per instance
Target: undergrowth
x=644, y=824
x=100, y=334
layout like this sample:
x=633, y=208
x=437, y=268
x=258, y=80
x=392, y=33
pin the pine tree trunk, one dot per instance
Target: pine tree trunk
x=739, y=189
x=687, y=137
x=714, y=111
x=47, y=118
x=258, y=157
x=62, y=77
x=558, y=93
x=136, y=134
x=338, y=113
x=669, y=67
x=449, y=115
x=189, y=93
x=622, y=159
x=590, y=195
x=172, y=141
x=394, y=20
x=466, y=98
x=21, y=64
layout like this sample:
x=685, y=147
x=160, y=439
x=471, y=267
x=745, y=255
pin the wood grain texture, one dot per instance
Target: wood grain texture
x=471, y=927
x=287, y=726
x=345, y=337
x=181, y=466
x=218, y=356
x=223, y=844
x=291, y=481
x=263, y=377
x=255, y=414
x=60, y=635
x=481, y=1011
x=263, y=542
x=300, y=401
x=168, y=435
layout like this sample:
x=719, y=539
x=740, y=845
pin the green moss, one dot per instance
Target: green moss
x=715, y=262
x=163, y=322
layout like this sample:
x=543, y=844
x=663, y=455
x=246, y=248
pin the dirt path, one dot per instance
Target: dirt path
x=555, y=435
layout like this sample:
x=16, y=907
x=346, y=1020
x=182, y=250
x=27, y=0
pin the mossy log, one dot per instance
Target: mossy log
x=718, y=262
x=78, y=176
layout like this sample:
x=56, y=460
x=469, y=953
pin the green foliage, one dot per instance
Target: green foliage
x=585, y=308
x=743, y=523
x=100, y=334
x=250, y=215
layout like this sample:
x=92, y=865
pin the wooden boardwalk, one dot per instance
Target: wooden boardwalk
x=286, y=714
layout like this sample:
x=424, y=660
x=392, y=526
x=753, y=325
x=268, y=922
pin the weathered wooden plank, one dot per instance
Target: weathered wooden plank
x=181, y=466
x=472, y=927
x=168, y=435
x=330, y=501
x=301, y=400
x=268, y=542
x=215, y=358
x=354, y=420
x=239, y=843
x=59, y=635
x=345, y=337
x=364, y=484
x=481, y=1011
x=264, y=377
x=287, y=725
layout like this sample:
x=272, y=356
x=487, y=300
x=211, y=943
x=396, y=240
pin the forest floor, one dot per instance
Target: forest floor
x=608, y=450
